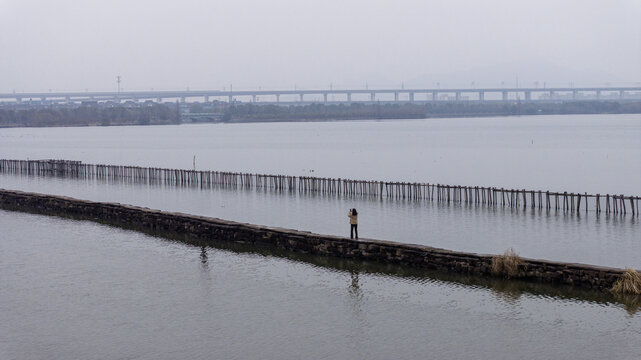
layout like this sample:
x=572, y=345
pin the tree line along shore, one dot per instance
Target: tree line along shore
x=356, y=111
x=94, y=115
x=165, y=114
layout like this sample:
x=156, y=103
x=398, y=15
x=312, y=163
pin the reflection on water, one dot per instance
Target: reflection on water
x=76, y=289
x=79, y=290
x=203, y=257
x=355, y=291
x=574, y=153
x=631, y=303
x=599, y=239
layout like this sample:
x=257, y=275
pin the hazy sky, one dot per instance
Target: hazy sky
x=77, y=45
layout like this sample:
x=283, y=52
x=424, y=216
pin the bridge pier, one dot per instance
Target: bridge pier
x=481, y=96
x=277, y=98
x=395, y=96
x=231, y=99
x=528, y=96
x=504, y=95
x=411, y=97
x=621, y=94
x=300, y=97
x=598, y=94
x=574, y=94
x=372, y=96
x=325, y=98
x=434, y=95
x=206, y=98
x=349, y=97
x=458, y=96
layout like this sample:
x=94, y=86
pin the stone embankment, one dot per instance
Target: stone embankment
x=213, y=230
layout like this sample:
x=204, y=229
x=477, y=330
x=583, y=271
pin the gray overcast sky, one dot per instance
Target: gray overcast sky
x=77, y=45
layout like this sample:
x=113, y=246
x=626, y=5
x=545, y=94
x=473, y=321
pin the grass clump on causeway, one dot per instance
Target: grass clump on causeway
x=507, y=264
x=628, y=283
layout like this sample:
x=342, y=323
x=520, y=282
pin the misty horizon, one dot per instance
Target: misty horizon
x=251, y=45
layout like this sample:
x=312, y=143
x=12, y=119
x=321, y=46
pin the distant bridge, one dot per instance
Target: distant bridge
x=289, y=97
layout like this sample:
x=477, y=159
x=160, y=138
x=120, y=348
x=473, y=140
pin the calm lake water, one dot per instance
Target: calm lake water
x=574, y=153
x=596, y=154
x=81, y=290
x=585, y=237
x=76, y=289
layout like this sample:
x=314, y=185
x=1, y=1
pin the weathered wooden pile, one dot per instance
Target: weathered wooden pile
x=490, y=196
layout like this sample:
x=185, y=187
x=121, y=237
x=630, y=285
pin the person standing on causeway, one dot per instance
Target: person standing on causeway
x=353, y=221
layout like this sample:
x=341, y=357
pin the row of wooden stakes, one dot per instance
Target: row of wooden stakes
x=491, y=196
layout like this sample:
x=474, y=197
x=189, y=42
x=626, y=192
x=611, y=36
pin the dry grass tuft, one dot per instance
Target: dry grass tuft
x=506, y=264
x=628, y=283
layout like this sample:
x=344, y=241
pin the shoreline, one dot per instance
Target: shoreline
x=248, y=113
x=310, y=120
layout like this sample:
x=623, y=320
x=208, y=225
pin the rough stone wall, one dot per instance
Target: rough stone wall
x=213, y=229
